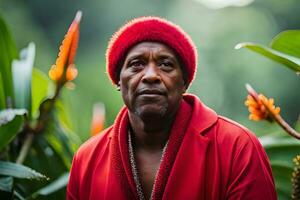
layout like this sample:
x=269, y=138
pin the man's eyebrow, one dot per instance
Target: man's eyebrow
x=134, y=56
x=168, y=56
x=162, y=55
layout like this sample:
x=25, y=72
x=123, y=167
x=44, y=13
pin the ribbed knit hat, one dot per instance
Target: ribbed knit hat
x=150, y=29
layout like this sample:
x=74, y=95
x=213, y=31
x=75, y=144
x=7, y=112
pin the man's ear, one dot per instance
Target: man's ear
x=185, y=87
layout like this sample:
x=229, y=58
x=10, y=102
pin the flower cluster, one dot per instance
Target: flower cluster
x=260, y=107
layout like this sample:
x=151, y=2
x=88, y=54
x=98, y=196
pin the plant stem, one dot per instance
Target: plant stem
x=25, y=148
x=292, y=132
x=42, y=121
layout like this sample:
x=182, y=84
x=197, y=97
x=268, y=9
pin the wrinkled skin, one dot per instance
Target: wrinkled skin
x=151, y=81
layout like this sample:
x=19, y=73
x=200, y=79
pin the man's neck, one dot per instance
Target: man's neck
x=150, y=135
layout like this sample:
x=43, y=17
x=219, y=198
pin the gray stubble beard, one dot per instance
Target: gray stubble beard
x=162, y=113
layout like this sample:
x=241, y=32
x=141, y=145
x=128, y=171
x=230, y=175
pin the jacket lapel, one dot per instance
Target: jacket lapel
x=188, y=175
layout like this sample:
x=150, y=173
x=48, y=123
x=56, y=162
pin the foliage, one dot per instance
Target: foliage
x=34, y=125
x=11, y=121
x=284, y=49
x=8, y=53
x=21, y=71
x=18, y=171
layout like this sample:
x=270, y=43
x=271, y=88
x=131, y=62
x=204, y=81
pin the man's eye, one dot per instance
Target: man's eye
x=166, y=65
x=136, y=64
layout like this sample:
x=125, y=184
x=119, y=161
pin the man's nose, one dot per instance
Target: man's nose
x=151, y=74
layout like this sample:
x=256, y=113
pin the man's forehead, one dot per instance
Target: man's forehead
x=144, y=48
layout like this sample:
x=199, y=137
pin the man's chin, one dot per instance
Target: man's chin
x=151, y=112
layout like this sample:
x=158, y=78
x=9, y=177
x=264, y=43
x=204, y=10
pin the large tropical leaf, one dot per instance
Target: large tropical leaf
x=64, y=120
x=22, y=73
x=19, y=171
x=59, y=134
x=6, y=184
x=287, y=42
x=41, y=88
x=282, y=174
x=277, y=56
x=281, y=150
x=8, y=53
x=56, y=185
x=62, y=140
x=11, y=122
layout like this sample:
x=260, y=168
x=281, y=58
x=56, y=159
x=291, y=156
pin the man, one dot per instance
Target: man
x=166, y=144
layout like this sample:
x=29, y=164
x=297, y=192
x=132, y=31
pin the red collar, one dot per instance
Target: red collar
x=203, y=117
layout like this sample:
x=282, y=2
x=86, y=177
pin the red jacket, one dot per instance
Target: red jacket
x=214, y=158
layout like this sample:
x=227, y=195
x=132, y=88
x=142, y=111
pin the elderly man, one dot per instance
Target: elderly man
x=165, y=143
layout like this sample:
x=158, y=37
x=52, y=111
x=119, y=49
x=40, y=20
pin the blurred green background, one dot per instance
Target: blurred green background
x=216, y=26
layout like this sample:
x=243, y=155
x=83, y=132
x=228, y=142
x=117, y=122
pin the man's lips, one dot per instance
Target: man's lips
x=151, y=92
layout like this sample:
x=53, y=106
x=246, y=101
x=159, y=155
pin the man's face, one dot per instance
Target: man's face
x=151, y=80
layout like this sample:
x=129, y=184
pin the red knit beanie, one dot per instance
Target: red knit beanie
x=150, y=29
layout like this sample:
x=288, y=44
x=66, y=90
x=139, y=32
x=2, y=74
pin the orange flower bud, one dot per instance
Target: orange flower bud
x=98, y=119
x=64, y=69
x=71, y=72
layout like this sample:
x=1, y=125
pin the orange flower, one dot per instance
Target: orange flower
x=64, y=68
x=98, y=119
x=259, y=106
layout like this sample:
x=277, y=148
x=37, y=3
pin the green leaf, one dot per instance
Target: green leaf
x=282, y=149
x=22, y=73
x=287, y=42
x=44, y=159
x=41, y=88
x=56, y=185
x=287, y=60
x=63, y=111
x=65, y=122
x=19, y=171
x=269, y=141
x=282, y=174
x=60, y=149
x=2, y=94
x=58, y=137
x=8, y=53
x=11, y=121
x=6, y=184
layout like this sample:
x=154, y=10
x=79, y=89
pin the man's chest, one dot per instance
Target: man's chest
x=147, y=168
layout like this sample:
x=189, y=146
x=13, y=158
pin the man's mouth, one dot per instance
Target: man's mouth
x=151, y=92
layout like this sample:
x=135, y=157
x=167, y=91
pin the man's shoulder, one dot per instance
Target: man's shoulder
x=225, y=122
x=94, y=143
x=237, y=139
x=228, y=129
